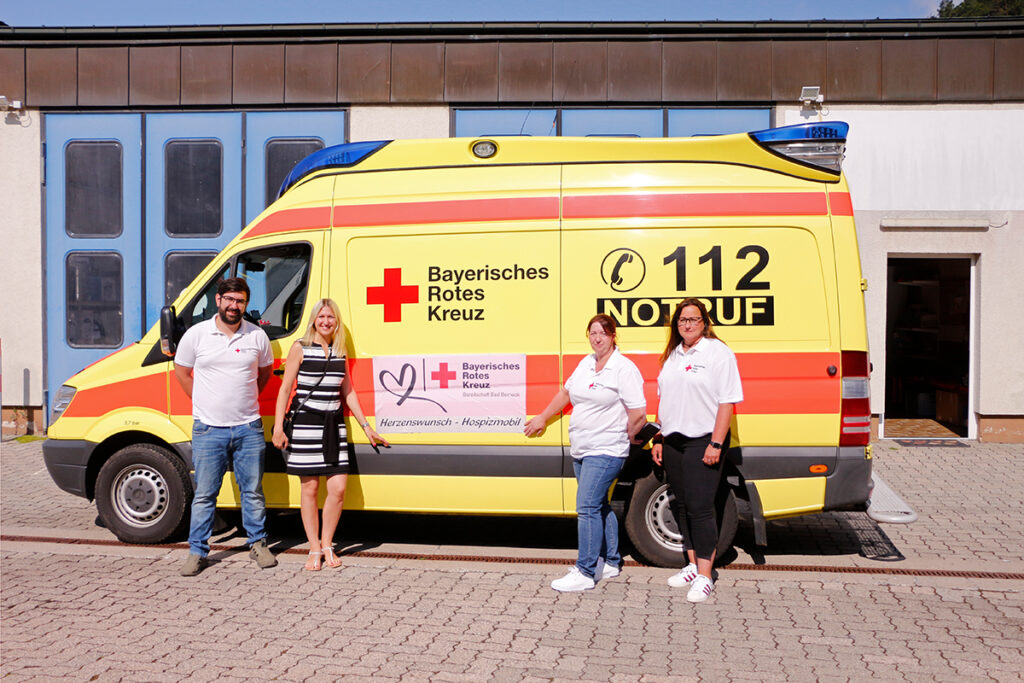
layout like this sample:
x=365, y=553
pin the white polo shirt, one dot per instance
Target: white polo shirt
x=599, y=402
x=692, y=384
x=224, y=370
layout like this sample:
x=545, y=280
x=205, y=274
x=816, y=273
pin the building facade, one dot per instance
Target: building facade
x=128, y=156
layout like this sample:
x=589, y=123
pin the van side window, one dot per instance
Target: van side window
x=278, y=278
x=204, y=306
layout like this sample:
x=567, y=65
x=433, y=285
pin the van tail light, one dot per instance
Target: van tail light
x=855, y=412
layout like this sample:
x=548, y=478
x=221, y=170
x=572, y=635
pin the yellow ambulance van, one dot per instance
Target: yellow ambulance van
x=466, y=270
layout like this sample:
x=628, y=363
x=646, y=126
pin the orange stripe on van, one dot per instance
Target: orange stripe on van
x=651, y=205
x=143, y=392
x=841, y=203
x=287, y=220
x=453, y=211
x=773, y=383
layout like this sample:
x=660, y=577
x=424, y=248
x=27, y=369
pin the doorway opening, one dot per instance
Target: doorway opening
x=927, y=350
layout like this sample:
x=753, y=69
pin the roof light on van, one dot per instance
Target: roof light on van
x=338, y=156
x=819, y=145
x=484, y=149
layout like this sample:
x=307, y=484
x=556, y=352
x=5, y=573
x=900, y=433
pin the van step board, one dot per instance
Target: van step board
x=885, y=505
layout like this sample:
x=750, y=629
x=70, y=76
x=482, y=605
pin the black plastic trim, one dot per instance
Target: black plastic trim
x=67, y=461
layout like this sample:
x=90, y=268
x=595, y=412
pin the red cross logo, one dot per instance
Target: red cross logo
x=443, y=374
x=393, y=294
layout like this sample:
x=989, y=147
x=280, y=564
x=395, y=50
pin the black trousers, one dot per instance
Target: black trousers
x=695, y=486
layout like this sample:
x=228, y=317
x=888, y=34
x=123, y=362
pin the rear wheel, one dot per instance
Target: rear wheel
x=143, y=493
x=651, y=524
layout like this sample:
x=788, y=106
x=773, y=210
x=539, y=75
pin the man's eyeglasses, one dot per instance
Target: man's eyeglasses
x=234, y=301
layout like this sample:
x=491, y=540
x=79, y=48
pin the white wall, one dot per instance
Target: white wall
x=397, y=123
x=943, y=180
x=21, y=269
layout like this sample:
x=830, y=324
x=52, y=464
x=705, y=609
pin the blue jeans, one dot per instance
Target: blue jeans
x=212, y=449
x=597, y=526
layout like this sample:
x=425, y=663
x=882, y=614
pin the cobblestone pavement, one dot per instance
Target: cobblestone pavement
x=97, y=612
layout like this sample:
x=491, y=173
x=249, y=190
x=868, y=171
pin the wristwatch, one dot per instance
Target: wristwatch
x=717, y=445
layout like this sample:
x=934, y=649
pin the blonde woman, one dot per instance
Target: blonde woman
x=316, y=368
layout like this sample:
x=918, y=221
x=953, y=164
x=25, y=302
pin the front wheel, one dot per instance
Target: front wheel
x=143, y=493
x=652, y=528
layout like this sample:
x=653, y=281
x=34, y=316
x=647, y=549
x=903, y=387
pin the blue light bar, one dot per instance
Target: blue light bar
x=338, y=156
x=820, y=145
x=820, y=130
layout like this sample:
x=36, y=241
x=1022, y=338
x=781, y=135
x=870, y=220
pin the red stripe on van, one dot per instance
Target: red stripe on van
x=142, y=392
x=841, y=203
x=649, y=205
x=452, y=211
x=287, y=220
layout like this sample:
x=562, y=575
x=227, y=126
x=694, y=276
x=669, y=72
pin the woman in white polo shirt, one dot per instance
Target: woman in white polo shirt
x=607, y=395
x=699, y=387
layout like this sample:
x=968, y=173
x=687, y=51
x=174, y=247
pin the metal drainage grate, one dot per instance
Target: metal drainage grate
x=373, y=554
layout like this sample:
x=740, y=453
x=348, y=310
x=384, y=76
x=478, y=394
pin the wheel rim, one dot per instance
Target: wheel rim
x=139, y=494
x=661, y=523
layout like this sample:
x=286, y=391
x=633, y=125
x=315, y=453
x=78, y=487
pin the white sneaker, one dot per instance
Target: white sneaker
x=575, y=580
x=606, y=571
x=700, y=589
x=685, y=576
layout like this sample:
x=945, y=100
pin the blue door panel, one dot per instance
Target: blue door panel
x=165, y=134
x=93, y=302
x=263, y=127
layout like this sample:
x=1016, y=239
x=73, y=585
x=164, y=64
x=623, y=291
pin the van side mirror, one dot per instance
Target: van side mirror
x=170, y=331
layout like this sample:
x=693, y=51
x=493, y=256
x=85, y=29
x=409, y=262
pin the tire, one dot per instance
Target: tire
x=143, y=494
x=652, y=527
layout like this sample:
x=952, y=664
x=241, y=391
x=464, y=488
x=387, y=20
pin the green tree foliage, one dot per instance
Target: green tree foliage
x=980, y=8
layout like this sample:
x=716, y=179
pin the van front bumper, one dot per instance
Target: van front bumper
x=67, y=461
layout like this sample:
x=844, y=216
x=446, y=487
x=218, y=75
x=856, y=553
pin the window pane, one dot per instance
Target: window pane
x=278, y=278
x=481, y=123
x=192, y=188
x=281, y=157
x=204, y=306
x=688, y=122
x=180, y=268
x=92, y=189
x=94, y=300
x=646, y=123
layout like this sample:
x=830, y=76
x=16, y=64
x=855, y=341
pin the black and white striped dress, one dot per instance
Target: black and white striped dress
x=307, y=456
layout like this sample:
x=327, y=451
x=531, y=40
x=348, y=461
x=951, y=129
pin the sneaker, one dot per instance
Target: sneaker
x=261, y=553
x=193, y=565
x=575, y=580
x=685, y=576
x=700, y=589
x=606, y=571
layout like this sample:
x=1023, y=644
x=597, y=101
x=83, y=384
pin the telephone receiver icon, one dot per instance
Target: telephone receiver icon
x=623, y=259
